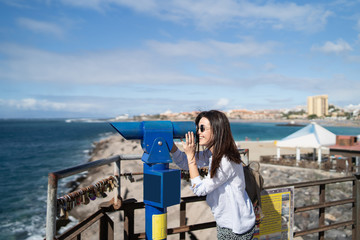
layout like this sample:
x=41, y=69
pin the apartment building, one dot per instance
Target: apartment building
x=318, y=105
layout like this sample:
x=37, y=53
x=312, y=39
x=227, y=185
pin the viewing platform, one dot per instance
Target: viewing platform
x=102, y=219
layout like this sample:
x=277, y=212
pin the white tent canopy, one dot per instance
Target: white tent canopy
x=311, y=136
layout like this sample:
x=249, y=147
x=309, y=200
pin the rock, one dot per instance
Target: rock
x=330, y=217
x=336, y=234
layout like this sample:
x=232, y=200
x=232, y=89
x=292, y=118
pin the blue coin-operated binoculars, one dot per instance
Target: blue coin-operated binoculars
x=161, y=184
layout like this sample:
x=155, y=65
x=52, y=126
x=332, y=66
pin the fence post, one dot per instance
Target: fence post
x=51, y=206
x=106, y=231
x=182, y=218
x=356, y=209
x=117, y=172
x=129, y=215
x=322, y=211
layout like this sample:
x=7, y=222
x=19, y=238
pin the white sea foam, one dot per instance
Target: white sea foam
x=31, y=229
x=35, y=237
x=86, y=120
x=73, y=222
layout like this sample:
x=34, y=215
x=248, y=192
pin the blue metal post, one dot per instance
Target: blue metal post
x=155, y=222
x=155, y=216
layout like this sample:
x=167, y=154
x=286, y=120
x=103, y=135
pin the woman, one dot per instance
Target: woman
x=225, y=183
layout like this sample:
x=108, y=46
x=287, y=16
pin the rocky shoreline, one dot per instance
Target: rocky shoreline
x=200, y=212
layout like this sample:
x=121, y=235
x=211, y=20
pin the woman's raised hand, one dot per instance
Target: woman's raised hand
x=189, y=146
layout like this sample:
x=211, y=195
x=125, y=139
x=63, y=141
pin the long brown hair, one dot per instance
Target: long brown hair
x=222, y=142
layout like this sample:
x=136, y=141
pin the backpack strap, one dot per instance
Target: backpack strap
x=259, y=180
x=255, y=169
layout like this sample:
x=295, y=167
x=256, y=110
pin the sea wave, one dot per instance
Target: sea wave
x=85, y=120
x=32, y=228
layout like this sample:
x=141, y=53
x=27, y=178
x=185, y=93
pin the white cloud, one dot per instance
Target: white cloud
x=222, y=103
x=353, y=58
x=106, y=67
x=269, y=67
x=137, y=67
x=242, y=65
x=211, y=48
x=16, y=3
x=340, y=46
x=285, y=15
x=101, y=5
x=61, y=104
x=41, y=26
x=182, y=48
x=94, y=106
x=248, y=48
x=209, y=14
x=33, y=104
x=155, y=65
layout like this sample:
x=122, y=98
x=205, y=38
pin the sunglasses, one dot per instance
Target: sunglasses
x=202, y=128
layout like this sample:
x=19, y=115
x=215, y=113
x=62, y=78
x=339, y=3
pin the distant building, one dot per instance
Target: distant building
x=241, y=114
x=318, y=105
x=254, y=115
x=347, y=149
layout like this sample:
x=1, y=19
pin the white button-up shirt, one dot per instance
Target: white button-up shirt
x=225, y=192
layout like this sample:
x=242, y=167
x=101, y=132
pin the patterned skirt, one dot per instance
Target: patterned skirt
x=228, y=234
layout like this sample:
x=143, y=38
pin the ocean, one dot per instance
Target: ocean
x=30, y=149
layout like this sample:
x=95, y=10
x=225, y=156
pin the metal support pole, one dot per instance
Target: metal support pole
x=106, y=228
x=322, y=211
x=297, y=154
x=182, y=218
x=278, y=154
x=155, y=222
x=356, y=211
x=129, y=214
x=155, y=217
x=319, y=156
x=51, y=206
x=314, y=154
x=117, y=192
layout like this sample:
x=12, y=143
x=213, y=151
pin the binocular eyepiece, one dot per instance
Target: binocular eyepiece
x=154, y=133
x=137, y=130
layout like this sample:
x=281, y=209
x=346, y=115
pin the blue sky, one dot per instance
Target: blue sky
x=103, y=58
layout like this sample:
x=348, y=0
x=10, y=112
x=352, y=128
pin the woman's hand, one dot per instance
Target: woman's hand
x=189, y=147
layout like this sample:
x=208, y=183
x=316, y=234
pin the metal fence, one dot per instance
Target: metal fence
x=128, y=206
x=56, y=176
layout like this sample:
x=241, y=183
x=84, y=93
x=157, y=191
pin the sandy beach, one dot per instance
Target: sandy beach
x=196, y=212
